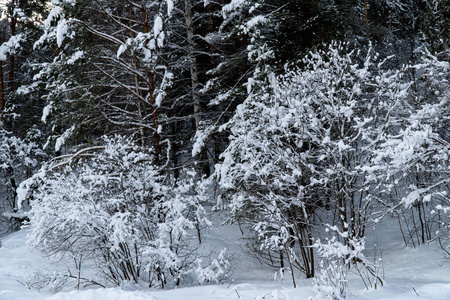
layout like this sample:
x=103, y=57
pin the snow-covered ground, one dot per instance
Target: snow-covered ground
x=409, y=273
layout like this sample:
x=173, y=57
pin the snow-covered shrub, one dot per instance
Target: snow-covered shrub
x=413, y=155
x=216, y=271
x=304, y=140
x=111, y=207
x=18, y=157
x=337, y=260
x=330, y=282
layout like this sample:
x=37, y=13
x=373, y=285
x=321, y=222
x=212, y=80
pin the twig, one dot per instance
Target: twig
x=232, y=281
x=22, y=283
x=415, y=292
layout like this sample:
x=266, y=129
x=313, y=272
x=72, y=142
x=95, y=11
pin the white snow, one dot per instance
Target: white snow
x=412, y=197
x=408, y=274
x=10, y=46
x=200, y=139
x=169, y=7
x=158, y=26
x=46, y=112
x=158, y=100
x=18, y=264
x=110, y=293
x=121, y=50
x=54, y=14
x=62, y=139
x=255, y=21
x=76, y=56
x=61, y=31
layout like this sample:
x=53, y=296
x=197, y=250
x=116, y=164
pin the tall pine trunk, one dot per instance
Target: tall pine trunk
x=151, y=93
x=12, y=61
x=201, y=164
x=193, y=63
x=2, y=93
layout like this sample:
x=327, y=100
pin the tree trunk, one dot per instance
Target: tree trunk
x=2, y=93
x=201, y=165
x=11, y=73
x=156, y=137
x=11, y=57
x=211, y=31
x=151, y=93
x=192, y=60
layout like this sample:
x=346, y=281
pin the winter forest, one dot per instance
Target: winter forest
x=130, y=128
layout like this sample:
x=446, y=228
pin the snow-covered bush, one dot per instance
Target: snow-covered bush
x=18, y=158
x=216, y=271
x=337, y=260
x=331, y=281
x=111, y=207
x=304, y=140
x=413, y=155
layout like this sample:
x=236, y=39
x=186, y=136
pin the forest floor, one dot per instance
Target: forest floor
x=408, y=273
